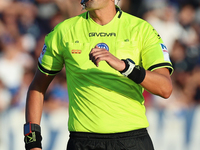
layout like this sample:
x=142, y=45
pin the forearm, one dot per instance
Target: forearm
x=157, y=83
x=34, y=106
x=35, y=97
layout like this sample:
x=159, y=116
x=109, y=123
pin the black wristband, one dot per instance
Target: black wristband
x=33, y=140
x=133, y=72
x=137, y=75
x=126, y=66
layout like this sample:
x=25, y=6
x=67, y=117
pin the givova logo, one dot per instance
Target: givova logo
x=101, y=34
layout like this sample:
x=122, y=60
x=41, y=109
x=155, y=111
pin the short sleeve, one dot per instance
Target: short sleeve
x=51, y=60
x=154, y=53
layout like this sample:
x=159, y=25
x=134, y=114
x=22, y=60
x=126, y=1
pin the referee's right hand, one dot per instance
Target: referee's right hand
x=101, y=54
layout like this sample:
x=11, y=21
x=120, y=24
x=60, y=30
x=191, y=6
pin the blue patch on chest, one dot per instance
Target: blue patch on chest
x=103, y=45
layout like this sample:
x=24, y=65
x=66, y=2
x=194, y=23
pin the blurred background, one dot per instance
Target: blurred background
x=174, y=123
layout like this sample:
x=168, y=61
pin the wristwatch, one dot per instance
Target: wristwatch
x=30, y=127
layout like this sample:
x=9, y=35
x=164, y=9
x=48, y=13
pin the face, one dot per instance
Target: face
x=96, y=4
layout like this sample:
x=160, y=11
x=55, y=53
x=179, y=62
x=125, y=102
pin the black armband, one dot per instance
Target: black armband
x=133, y=72
x=33, y=138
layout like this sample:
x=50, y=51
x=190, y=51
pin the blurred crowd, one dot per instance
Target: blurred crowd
x=23, y=26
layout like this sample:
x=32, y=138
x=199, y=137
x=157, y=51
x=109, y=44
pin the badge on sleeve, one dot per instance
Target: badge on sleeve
x=42, y=53
x=165, y=52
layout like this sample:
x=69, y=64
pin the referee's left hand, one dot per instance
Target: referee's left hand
x=98, y=54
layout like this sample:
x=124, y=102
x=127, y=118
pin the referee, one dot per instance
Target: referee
x=110, y=58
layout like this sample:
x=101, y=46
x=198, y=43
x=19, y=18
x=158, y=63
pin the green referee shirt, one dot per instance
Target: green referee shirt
x=101, y=100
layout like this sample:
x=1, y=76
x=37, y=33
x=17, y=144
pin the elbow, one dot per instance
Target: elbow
x=166, y=92
x=166, y=95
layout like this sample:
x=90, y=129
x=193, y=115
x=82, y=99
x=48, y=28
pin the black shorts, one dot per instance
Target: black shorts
x=132, y=140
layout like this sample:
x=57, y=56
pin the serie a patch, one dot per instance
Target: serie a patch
x=42, y=53
x=164, y=48
x=165, y=52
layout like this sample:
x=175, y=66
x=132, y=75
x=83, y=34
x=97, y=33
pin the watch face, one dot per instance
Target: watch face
x=27, y=128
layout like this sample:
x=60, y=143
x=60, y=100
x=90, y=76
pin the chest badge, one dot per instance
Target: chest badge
x=103, y=45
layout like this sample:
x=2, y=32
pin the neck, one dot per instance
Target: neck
x=103, y=16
